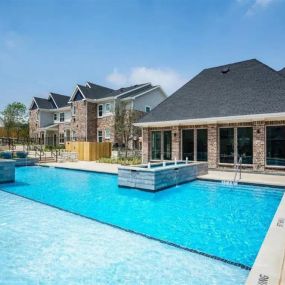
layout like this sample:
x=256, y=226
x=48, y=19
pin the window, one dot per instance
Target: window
x=275, y=145
x=147, y=109
x=73, y=110
x=73, y=136
x=55, y=117
x=108, y=108
x=61, y=138
x=107, y=134
x=61, y=117
x=100, y=136
x=100, y=110
x=167, y=145
x=156, y=145
x=188, y=144
x=227, y=145
x=244, y=144
x=202, y=144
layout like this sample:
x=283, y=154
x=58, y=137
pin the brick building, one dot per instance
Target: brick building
x=223, y=114
x=88, y=114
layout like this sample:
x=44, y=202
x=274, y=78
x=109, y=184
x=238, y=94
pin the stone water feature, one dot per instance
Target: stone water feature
x=158, y=176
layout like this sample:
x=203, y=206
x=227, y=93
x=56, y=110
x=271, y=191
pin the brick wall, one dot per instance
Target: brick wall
x=259, y=142
x=33, y=123
x=78, y=121
x=103, y=124
x=259, y=146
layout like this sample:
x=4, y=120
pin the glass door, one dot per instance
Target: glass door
x=167, y=145
x=156, y=145
x=188, y=144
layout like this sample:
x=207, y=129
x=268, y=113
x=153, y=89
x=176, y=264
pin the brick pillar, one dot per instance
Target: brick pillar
x=258, y=146
x=213, y=153
x=145, y=145
x=176, y=140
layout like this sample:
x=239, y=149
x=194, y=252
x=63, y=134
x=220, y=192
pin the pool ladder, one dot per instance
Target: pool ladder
x=237, y=170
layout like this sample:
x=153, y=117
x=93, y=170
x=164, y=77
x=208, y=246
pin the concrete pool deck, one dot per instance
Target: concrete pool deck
x=86, y=165
x=254, y=178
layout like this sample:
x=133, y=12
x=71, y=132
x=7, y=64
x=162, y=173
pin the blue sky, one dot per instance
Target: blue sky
x=51, y=45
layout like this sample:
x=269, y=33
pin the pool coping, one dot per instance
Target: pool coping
x=269, y=265
x=237, y=264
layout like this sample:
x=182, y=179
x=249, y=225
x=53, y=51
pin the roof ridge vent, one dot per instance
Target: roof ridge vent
x=225, y=70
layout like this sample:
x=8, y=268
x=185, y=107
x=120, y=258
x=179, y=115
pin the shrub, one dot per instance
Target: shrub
x=123, y=161
x=21, y=154
x=6, y=155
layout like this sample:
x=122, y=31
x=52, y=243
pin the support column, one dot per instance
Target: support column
x=213, y=153
x=176, y=141
x=145, y=145
x=195, y=143
x=258, y=146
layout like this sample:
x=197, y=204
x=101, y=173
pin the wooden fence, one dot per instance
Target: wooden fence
x=90, y=151
x=3, y=133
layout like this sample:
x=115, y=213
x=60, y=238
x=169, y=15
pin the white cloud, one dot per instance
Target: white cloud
x=254, y=5
x=168, y=79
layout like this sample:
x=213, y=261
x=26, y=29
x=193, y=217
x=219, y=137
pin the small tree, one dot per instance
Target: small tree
x=125, y=117
x=14, y=118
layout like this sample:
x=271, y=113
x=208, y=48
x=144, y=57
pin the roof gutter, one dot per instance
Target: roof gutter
x=214, y=120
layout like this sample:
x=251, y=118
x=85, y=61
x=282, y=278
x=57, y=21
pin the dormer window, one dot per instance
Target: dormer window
x=100, y=110
x=61, y=117
x=55, y=116
x=147, y=109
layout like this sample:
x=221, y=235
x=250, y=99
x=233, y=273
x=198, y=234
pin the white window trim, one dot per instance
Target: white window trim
x=109, y=136
x=63, y=117
x=99, y=136
x=109, y=111
x=102, y=110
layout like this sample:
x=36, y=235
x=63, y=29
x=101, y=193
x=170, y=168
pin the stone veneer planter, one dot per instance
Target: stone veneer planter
x=26, y=161
x=7, y=170
x=157, y=178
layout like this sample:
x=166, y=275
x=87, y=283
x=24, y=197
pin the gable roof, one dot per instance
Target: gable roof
x=60, y=100
x=282, y=72
x=43, y=103
x=54, y=101
x=242, y=88
x=94, y=91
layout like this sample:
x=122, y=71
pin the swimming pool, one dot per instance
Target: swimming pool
x=43, y=245
x=219, y=220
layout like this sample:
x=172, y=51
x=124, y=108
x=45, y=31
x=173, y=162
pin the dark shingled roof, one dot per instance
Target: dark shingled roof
x=282, y=72
x=99, y=92
x=243, y=88
x=136, y=90
x=44, y=103
x=95, y=91
x=60, y=100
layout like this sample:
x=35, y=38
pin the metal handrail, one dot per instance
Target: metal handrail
x=238, y=169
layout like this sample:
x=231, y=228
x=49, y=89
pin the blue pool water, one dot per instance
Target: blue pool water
x=42, y=245
x=220, y=220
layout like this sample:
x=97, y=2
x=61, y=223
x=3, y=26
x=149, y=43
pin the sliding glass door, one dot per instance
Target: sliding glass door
x=188, y=144
x=156, y=145
x=161, y=145
x=244, y=144
x=202, y=145
x=275, y=145
x=167, y=145
x=227, y=145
